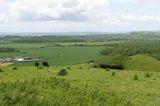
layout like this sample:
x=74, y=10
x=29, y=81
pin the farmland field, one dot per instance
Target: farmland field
x=58, y=55
x=103, y=70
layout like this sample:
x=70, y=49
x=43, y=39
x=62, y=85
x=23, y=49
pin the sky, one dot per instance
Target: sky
x=79, y=15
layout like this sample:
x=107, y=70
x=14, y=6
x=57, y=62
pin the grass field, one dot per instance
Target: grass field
x=83, y=86
x=58, y=55
x=143, y=63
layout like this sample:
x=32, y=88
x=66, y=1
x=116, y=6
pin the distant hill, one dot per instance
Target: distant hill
x=143, y=63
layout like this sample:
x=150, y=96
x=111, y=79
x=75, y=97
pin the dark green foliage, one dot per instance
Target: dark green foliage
x=14, y=68
x=135, y=77
x=69, y=68
x=44, y=39
x=1, y=70
x=148, y=75
x=95, y=66
x=62, y=72
x=130, y=49
x=113, y=62
x=113, y=73
x=45, y=64
x=80, y=68
x=104, y=66
x=36, y=64
x=6, y=49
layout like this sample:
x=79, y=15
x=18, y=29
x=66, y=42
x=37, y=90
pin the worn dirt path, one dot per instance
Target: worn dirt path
x=5, y=64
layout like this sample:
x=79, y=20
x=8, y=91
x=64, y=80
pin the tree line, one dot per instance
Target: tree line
x=6, y=49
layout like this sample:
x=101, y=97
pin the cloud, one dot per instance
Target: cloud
x=68, y=11
x=139, y=19
x=59, y=10
x=45, y=14
x=138, y=1
x=3, y=18
x=130, y=19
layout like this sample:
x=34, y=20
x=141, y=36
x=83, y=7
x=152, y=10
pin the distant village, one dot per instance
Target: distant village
x=20, y=59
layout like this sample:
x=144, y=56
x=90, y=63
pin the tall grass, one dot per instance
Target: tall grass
x=57, y=92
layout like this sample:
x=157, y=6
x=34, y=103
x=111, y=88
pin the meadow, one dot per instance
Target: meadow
x=72, y=79
x=83, y=85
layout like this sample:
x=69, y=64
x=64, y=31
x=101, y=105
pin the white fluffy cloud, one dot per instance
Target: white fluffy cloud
x=132, y=19
x=137, y=1
x=67, y=11
x=59, y=10
x=3, y=18
x=76, y=12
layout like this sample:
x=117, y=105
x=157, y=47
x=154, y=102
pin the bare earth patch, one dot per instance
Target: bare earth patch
x=5, y=64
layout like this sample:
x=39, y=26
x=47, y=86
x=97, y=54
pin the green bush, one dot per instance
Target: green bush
x=113, y=74
x=14, y=68
x=36, y=64
x=148, y=75
x=1, y=70
x=68, y=67
x=62, y=72
x=135, y=77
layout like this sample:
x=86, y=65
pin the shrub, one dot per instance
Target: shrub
x=80, y=68
x=147, y=75
x=135, y=77
x=1, y=70
x=45, y=64
x=113, y=74
x=15, y=68
x=104, y=66
x=36, y=64
x=62, y=72
x=95, y=66
x=68, y=67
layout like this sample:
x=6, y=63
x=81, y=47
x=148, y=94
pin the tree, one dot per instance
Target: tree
x=36, y=64
x=45, y=64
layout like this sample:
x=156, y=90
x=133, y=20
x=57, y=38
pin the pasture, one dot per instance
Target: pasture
x=64, y=55
x=81, y=86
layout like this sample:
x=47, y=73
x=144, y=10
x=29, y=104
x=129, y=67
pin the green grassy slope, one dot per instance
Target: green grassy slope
x=111, y=60
x=82, y=86
x=143, y=63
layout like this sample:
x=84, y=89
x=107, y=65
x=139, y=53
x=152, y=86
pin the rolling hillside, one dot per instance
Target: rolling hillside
x=137, y=62
x=143, y=63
